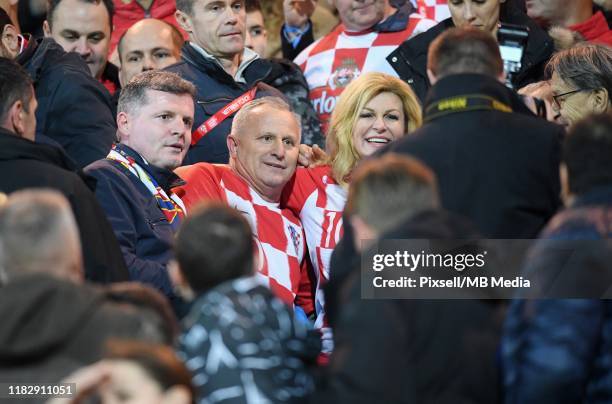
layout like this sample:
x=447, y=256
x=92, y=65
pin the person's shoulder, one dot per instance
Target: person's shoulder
x=198, y=169
x=110, y=173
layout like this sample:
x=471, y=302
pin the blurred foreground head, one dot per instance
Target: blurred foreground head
x=386, y=191
x=38, y=233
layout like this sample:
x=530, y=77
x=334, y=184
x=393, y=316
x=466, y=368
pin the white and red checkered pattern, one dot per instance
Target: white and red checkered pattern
x=433, y=9
x=278, y=233
x=319, y=201
x=333, y=61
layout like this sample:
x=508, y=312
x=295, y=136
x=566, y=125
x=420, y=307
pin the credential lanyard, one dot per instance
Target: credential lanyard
x=463, y=103
x=221, y=115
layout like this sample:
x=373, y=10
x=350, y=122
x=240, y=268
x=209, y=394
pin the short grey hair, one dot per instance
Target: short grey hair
x=240, y=123
x=37, y=231
x=134, y=94
x=585, y=66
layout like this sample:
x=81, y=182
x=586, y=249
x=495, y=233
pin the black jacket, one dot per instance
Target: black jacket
x=409, y=351
x=216, y=89
x=74, y=109
x=25, y=164
x=499, y=169
x=410, y=59
x=143, y=231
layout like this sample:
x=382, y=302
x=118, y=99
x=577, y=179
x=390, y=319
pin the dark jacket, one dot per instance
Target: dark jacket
x=144, y=233
x=264, y=349
x=499, y=169
x=409, y=351
x=25, y=164
x=410, y=59
x=560, y=350
x=52, y=327
x=287, y=78
x=73, y=108
x=216, y=89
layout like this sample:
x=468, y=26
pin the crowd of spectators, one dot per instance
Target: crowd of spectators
x=184, y=216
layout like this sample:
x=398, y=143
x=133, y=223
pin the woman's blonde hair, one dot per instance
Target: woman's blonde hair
x=339, y=143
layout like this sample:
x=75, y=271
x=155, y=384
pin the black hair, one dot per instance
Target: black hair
x=214, y=244
x=15, y=85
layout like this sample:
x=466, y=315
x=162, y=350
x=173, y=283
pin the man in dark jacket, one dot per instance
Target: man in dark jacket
x=496, y=163
x=74, y=110
x=226, y=74
x=404, y=351
x=135, y=180
x=26, y=164
x=410, y=59
x=559, y=351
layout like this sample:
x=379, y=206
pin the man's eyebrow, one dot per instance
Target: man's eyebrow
x=70, y=32
x=96, y=33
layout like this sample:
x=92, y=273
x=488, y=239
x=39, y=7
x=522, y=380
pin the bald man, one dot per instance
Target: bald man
x=150, y=44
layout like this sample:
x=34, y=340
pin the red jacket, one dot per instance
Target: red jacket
x=595, y=29
x=128, y=12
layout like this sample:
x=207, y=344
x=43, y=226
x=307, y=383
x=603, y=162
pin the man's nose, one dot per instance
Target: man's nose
x=82, y=47
x=279, y=149
x=147, y=63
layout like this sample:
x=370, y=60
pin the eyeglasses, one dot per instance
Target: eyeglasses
x=557, y=99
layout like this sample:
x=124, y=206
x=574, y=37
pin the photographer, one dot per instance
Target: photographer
x=410, y=59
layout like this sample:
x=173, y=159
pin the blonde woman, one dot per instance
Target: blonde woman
x=373, y=110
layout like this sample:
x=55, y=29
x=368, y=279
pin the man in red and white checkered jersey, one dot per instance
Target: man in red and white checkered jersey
x=367, y=34
x=436, y=10
x=264, y=148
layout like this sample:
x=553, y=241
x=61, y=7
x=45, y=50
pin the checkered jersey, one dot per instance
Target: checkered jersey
x=333, y=61
x=277, y=233
x=433, y=9
x=315, y=196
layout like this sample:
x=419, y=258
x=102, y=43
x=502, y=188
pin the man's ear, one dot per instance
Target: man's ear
x=10, y=40
x=232, y=146
x=15, y=118
x=600, y=100
x=432, y=77
x=178, y=280
x=566, y=194
x=184, y=20
x=123, y=126
x=363, y=234
x=46, y=28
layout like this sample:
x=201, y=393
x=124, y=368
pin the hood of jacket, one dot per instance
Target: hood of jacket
x=40, y=313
